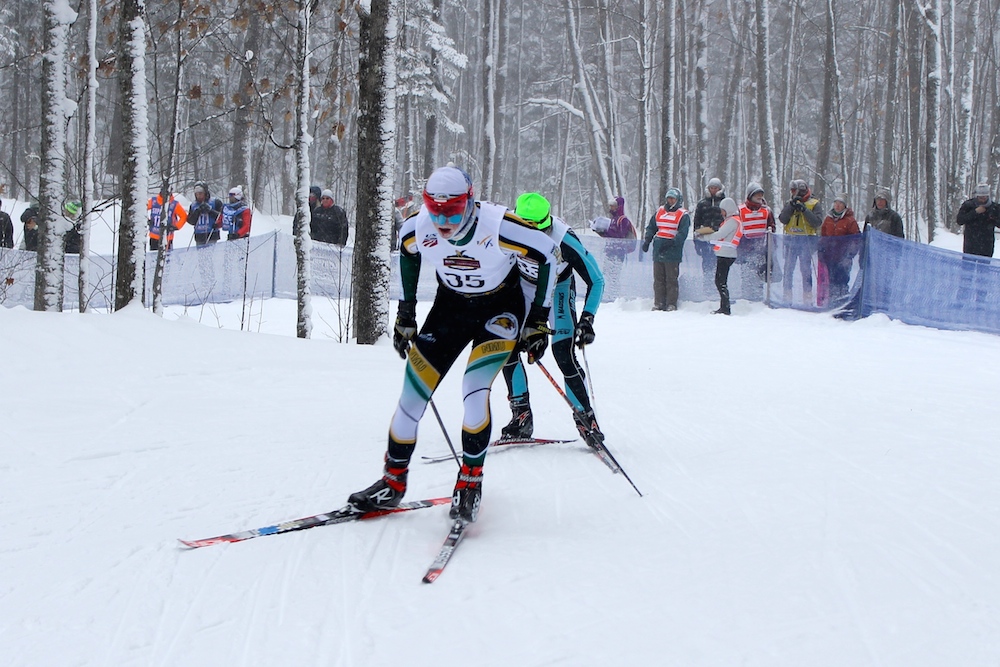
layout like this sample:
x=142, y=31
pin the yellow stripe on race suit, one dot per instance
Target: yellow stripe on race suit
x=423, y=377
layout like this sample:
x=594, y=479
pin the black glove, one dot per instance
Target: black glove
x=798, y=205
x=645, y=246
x=585, y=329
x=406, y=327
x=535, y=334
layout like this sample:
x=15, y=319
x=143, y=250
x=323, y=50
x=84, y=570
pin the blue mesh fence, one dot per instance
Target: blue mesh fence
x=859, y=275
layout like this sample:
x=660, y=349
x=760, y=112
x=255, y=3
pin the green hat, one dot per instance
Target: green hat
x=533, y=207
x=72, y=207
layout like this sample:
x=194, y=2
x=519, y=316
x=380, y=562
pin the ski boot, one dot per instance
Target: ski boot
x=468, y=492
x=386, y=493
x=521, y=425
x=586, y=424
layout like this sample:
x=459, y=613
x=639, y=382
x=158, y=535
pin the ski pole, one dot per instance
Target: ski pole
x=576, y=412
x=445, y=431
x=586, y=370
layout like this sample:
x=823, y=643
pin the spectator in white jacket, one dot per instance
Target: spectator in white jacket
x=725, y=242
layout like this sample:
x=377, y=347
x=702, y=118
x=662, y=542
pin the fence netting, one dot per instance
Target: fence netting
x=856, y=275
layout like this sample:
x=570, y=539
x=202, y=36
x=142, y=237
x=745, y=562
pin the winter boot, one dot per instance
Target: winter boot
x=521, y=425
x=386, y=493
x=586, y=424
x=468, y=492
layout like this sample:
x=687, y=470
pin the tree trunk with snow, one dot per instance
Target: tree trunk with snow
x=889, y=138
x=960, y=182
x=376, y=153
x=932, y=18
x=701, y=93
x=89, y=157
x=765, y=125
x=240, y=167
x=52, y=184
x=647, y=41
x=667, y=137
x=303, y=177
x=135, y=157
x=494, y=18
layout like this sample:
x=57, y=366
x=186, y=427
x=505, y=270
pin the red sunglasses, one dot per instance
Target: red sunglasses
x=446, y=205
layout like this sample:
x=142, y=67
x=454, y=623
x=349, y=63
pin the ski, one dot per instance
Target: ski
x=512, y=443
x=342, y=515
x=447, y=550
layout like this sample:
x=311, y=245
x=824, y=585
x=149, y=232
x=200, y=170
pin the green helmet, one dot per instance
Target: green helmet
x=534, y=208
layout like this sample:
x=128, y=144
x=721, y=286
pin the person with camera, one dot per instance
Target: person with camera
x=979, y=215
x=204, y=211
x=802, y=218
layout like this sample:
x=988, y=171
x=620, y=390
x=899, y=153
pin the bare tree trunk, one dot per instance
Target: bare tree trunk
x=647, y=45
x=435, y=110
x=827, y=117
x=135, y=157
x=303, y=217
x=932, y=17
x=491, y=92
x=889, y=139
x=765, y=126
x=240, y=167
x=49, y=281
x=90, y=154
x=376, y=152
x=960, y=183
x=667, y=136
x=701, y=93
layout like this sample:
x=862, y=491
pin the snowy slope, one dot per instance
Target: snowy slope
x=816, y=493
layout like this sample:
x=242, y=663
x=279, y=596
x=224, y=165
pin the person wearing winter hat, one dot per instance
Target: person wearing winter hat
x=801, y=218
x=758, y=220
x=725, y=243
x=667, y=230
x=203, y=213
x=175, y=214
x=329, y=221
x=29, y=217
x=480, y=252
x=534, y=209
x=73, y=237
x=315, y=192
x=236, y=216
x=979, y=216
x=839, y=245
x=708, y=214
x=6, y=229
x=882, y=217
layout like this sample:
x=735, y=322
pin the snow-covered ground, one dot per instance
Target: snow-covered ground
x=816, y=493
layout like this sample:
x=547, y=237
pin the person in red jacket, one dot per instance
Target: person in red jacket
x=176, y=216
x=236, y=216
x=838, y=245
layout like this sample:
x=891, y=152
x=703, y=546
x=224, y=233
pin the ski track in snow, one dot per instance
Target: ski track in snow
x=824, y=495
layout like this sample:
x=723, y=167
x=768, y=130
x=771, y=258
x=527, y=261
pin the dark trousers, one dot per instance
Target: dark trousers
x=722, y=281
x=665, y=277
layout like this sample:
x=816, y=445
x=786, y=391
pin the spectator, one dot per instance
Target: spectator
x=204, y=212
x=73, y=238
x=708, y=214
x=757, y=220
x=882, y=217
x=236, y=216
x=30, y=219
x=837, y=249
x=667, y=229
x=314, y=194
x=801, y=218
x=619, y=227
x=404, y=208
x=175, y=213
x=979, y=216
x=726, y=239
x=329, y=221
x=6, y=229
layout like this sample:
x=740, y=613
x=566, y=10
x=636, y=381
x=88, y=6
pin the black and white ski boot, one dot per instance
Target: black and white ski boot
x=521, y=425
x=384, y=494
x=467, y=495
x=586, y=424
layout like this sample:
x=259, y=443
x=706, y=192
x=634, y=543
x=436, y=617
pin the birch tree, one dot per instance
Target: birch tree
x=303, y=176
x=765, y=125
x=52, y=184
x=90, y=155
x=135, y=157
x=376, y=157
x=667, y=138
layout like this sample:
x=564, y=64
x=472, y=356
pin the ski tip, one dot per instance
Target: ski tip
x=430, y=577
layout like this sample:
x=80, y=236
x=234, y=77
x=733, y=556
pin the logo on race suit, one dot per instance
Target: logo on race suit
x=487, y=242
x=528, y=268
x=504, y=325
x=430, y=241
x=460, y=262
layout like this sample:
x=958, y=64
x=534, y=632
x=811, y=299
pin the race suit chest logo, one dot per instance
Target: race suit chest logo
x=503, y=325
x=430, y=241
x=461, y=262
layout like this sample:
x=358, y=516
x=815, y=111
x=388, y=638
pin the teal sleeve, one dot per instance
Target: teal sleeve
x=584, y=263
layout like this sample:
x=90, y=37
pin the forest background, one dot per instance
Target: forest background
x=579, y=100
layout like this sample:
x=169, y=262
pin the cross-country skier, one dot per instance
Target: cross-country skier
x=474, y=247
x=534, y=209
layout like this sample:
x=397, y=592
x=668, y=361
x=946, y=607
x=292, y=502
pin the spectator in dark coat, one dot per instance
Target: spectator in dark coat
x=30, y=219
x=329, y=221
x=6, y=229
x=882, y=217
x=979, y=216
x=204, y=213
x=708, y=214
x=314, y=194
